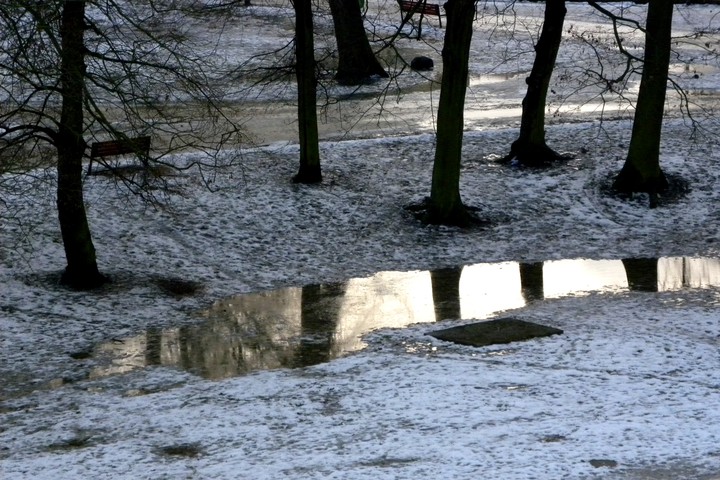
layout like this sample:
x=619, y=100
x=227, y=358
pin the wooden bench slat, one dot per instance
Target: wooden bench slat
x=421, y=7
x=120, y=147
x=138, y=146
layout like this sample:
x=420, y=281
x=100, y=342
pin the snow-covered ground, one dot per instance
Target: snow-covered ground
x=631, y=390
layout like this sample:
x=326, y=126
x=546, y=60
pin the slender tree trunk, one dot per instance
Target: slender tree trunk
x=307, y=95
x=446, y=293
x=530, y=148
x=81, y=271
x=445, y=205
x=641, y=171
x=356, y=60
x=153, y=346
x=532, y=282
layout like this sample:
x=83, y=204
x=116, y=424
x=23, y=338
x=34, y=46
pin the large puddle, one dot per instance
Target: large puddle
x=302, y=326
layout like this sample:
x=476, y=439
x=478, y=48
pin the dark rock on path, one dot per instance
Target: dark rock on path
x=502, y=330
x=422, y=63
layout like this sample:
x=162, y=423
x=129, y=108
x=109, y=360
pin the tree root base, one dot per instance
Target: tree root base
x=461, y=216
x=83, y=281
x=308, y=176
x=676, y=190
x=360, y=77
x=533, y=155
x=629, y=181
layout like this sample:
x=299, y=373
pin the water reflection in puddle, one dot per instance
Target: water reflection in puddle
x=302, y=326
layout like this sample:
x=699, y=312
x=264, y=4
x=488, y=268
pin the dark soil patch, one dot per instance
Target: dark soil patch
x=534, y=157
x=678, y=189
x=178, y=287
x=81, y=355
x=54, y=280
x=129, y=171
x=603, y=462
x=188, y=450
x=468, y=220
x=76, y=442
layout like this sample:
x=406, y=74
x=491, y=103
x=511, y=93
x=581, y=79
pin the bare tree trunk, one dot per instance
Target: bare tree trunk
x=81, y=271
x=356, y=60
x=319, y=317
x=446, y=293
x=641, y=171
x=530, y=148
x=445, y=205
x=642, y=274
x=307, y=95
x=532, y=283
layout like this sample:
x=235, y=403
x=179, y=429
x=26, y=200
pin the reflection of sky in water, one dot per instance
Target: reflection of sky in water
x=676, y=273
x=487, y=288
x=571, y=277
x=303, y=326
x=384, y=300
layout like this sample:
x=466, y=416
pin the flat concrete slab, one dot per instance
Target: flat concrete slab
x=501, y=330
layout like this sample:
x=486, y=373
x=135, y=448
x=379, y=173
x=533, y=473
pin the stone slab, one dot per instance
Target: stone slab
x=501, y=330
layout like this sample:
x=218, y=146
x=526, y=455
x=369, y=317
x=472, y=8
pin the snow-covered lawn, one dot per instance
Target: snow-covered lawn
x=634, y=379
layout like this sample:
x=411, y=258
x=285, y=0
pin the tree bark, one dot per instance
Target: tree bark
x=446, y=293
x=642, y=274
x=309, y=171
x=356, y=60
x=532, y=283
x=530, y=148
x=319, y=317
x=445, y=206
x=81, y=271
x=641, y=171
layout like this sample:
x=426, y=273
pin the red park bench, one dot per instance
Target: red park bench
x=139, y=146
x=421, y=7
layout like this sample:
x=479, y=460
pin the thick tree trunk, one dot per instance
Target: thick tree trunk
x=530, y=148
x=81, y=271
x=356, y=60
x=319, y=317
x=307, y=95
x=642, y=274
x=445, y=205
x=641, y=171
